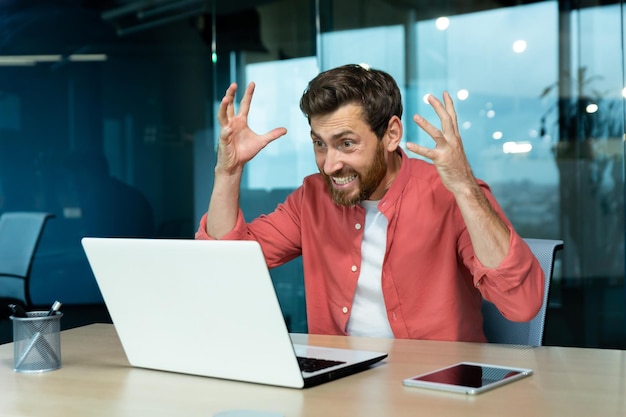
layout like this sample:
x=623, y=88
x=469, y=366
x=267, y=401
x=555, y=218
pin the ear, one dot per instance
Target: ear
x=394, y=134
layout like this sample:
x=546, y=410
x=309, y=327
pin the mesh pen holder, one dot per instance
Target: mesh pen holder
x=37, y=342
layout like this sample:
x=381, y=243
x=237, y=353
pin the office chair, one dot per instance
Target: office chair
x=498, y=329
x=20, y=233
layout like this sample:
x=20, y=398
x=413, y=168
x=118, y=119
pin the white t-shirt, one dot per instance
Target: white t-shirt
x=369, y=315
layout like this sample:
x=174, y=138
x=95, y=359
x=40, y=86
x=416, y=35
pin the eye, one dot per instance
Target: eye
x=346, y=144
x=318, y=144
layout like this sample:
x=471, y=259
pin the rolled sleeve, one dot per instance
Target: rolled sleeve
x=238, y=232
x=506, y=275
x=516, y=286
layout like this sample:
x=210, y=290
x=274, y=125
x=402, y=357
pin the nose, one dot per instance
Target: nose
x=332, y=161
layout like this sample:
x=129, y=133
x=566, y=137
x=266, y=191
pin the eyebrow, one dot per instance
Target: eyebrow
x=335, y=136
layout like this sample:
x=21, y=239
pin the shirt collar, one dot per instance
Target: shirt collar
x=397, y=186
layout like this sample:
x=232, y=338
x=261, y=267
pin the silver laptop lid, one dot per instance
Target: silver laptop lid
x=198, y=307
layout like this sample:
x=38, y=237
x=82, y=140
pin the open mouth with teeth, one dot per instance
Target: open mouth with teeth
x=343, y=180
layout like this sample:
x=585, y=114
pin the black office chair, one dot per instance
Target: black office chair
x=20, y=233
x=498, y=329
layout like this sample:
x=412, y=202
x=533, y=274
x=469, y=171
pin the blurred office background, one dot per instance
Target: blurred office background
x=107, y=120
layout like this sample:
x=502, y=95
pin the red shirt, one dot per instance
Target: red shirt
x=431, y=280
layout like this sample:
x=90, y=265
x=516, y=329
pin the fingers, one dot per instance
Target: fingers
x=449, y=103
x=230, y=96
x=447, y=115
x=431, y=130
x=227, y=105
x=226, y=110
x=421, y=150
x=273, y=134
x=443, y=112
x=244, y=106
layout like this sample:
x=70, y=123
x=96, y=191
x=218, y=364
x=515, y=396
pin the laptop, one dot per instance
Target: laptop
x=207, y=308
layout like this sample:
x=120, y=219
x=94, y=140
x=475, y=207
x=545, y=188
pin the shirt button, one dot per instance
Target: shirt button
x=345, y=310
x=354, y=268
x=357, y=226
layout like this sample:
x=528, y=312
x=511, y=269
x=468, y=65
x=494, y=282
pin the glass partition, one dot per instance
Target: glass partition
x=107, y=120
x=541, y=115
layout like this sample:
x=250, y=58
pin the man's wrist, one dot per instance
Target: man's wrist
x=232, y=172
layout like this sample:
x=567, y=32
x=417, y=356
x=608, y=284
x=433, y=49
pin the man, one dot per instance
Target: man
x=391, y=246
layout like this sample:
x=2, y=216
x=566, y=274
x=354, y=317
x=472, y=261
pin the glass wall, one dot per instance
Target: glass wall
x=107, y=119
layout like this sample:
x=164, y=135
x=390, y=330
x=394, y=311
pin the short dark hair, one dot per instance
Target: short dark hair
x=375, y=90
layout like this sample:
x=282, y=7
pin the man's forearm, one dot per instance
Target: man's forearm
x=490, y=236
x=224, y=204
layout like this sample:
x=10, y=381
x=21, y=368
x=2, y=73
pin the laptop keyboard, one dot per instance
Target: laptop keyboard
x=314, y=364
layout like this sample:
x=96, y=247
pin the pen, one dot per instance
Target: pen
x=55, y=307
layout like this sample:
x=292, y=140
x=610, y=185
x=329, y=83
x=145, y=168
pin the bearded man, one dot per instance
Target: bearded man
x=391, y=246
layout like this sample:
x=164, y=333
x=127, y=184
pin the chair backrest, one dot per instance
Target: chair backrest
x=498, y=329
x=20, y=233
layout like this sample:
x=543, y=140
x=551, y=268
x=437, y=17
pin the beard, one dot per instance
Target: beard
x=368, y=180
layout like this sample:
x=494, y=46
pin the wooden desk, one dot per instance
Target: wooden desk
x=96, y=380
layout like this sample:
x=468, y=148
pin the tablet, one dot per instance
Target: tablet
x=468, y=377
